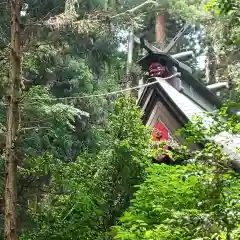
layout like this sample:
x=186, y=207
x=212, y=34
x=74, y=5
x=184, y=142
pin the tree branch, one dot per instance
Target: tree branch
x=135, y=8
x=27, y=185
x=32, y=128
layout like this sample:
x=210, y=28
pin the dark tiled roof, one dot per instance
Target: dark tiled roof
x=189, y=108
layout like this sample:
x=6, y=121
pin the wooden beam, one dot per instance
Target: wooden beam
x=150, y=48
x=217, y=86
x=175, y=39
x=183, y=56
x=145, y=44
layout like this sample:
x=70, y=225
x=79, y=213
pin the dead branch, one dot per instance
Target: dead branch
x=135, y=8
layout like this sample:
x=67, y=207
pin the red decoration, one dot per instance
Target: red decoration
x=156, y=69
x=160, y=133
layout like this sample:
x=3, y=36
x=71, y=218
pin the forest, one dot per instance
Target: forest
x=76, y=157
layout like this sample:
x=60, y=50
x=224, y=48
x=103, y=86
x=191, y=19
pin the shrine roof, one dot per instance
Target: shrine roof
x=186, y=75
x=185, y=109
x=146, y=61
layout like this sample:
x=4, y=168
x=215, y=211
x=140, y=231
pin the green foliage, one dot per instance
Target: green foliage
x=180, y=203
x=221, y=7
x=201, y=128
x=226, y=15
x=66, y=64
x=47, y=126
x=76, y=176
x=88, y=195
x=198, y=200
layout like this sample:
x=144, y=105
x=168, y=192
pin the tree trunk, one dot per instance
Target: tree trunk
x=106, y=5
x=130, y=50
x=160, y=30
x=129, y=60
x=10, y=228
x=211, y=64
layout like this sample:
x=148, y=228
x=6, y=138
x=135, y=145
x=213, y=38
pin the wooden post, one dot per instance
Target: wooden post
x=13, y=97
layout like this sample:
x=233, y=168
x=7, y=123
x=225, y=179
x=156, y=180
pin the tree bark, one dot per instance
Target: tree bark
x=210, y=64
x=13, y=97
x=160, y=30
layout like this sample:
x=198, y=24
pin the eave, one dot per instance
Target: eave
x=155, y=93
x=183, y=108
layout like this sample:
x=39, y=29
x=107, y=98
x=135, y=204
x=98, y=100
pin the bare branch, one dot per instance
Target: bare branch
x=91, y=21
x=2, y=3
x=32, y=128
x=50, y=12
x=136, y=8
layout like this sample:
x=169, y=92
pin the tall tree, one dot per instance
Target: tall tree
x=13, y=98
x=69, y=62
x=210, y=63
x=160, y=30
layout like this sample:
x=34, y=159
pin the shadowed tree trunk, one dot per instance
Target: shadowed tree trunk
x=13, y=97
x=210, y=64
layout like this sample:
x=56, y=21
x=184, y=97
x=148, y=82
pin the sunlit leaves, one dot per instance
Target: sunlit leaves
x=84, y=198
x=168, y=204
x=199, y=200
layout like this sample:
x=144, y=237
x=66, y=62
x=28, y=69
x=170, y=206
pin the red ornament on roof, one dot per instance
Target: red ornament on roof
x=160, y=133
x=156, y=69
